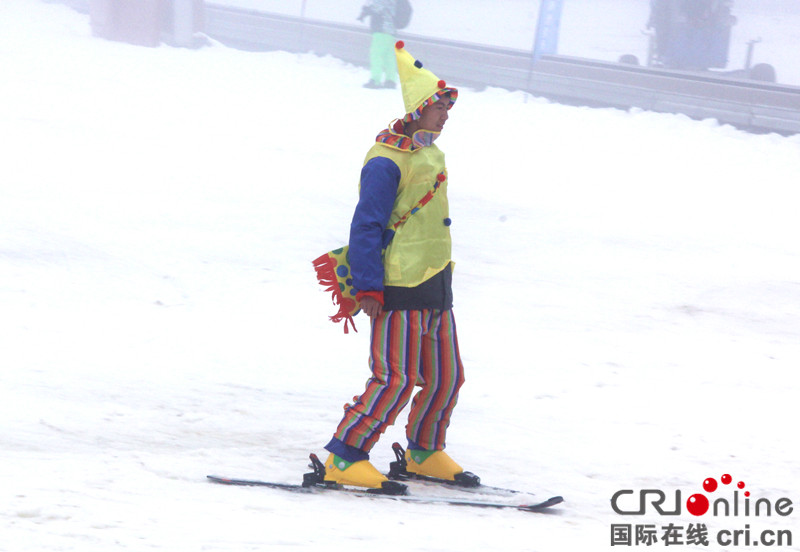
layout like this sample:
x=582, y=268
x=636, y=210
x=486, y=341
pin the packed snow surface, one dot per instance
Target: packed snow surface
x=627, y=291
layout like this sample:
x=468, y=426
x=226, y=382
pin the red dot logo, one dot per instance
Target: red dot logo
x=697, y=504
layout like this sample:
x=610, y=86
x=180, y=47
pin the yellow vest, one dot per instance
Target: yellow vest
x=421, y=246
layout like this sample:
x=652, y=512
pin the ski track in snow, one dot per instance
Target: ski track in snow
x=627, y=292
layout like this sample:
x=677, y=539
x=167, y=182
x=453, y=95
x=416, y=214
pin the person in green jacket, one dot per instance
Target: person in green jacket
x=383, y=69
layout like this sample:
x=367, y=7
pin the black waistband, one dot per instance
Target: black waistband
x=434, y=293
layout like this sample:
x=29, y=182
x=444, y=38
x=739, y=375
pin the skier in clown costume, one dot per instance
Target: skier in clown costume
x=403, y=274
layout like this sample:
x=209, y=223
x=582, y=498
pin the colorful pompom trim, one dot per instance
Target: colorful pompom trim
x=416, y=114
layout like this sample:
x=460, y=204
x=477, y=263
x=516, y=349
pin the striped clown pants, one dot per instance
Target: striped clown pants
x=409, y=348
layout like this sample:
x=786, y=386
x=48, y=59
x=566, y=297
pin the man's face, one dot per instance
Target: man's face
x=435, y=116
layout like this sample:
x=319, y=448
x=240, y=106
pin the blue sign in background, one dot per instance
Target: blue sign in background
x=546, y=41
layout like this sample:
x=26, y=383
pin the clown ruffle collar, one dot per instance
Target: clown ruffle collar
x=393, y=137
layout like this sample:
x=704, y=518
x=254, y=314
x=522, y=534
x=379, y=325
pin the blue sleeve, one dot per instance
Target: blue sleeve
x=380, y=179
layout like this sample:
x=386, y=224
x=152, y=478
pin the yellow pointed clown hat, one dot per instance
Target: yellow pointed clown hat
x=420, y=87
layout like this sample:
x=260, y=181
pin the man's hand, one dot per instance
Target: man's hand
x=371, y=306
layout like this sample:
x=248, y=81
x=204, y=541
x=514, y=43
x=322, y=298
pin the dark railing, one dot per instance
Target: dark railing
x=751, y=105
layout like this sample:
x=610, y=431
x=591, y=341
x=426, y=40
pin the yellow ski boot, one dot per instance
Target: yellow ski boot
x=339, y=471
x=358, y=474
x=430, y=464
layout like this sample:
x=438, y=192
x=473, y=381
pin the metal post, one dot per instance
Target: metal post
x=751, y=44
x=302, y=45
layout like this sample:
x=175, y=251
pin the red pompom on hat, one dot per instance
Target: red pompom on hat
x=399, y=44
x=442, y=84
x=440, y=177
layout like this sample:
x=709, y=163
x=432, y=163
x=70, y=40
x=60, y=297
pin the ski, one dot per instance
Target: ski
x=464, y=482
x=376, y=493
x=314, y=483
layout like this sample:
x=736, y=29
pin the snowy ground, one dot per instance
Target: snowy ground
x=627, y=290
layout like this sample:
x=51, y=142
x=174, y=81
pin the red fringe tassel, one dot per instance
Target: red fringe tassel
x=326, y=274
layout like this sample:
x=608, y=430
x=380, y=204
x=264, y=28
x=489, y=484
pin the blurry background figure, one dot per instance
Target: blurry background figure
x=382, y=14
x=691, y=34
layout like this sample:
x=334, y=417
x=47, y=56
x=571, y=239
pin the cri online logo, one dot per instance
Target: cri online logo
x=698, y=504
